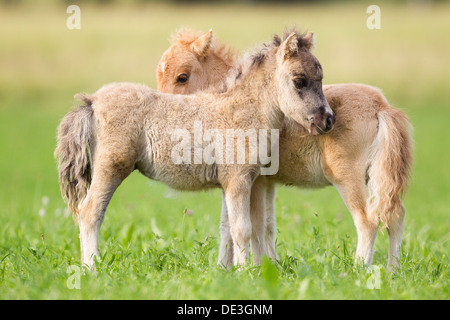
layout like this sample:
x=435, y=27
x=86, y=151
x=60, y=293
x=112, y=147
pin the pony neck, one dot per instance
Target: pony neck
x=255, y=85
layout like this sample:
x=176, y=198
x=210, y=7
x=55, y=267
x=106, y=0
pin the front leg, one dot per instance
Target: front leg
x=271, y=228
x=226, y=242
x=258, y=219
x=237, y=195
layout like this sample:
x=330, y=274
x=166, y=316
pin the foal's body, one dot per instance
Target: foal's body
x=133, y=125
x=370, y=146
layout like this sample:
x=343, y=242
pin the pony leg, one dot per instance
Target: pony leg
x=105, y=181
x=258, y=219
x=271, y=228
x=237, y=195
x=395, y=231
x=81, y=244
x=91, y=217
x=226, y=242
x=355, y=197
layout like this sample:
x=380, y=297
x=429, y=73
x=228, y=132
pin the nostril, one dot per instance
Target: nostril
x=330, y=121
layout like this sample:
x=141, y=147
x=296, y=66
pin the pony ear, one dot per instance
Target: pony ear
x=289, y=47
x=202, y=44
x=308, y=41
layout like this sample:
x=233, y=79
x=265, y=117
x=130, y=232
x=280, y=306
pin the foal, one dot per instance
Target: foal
x=370, y=146
x=126, y=126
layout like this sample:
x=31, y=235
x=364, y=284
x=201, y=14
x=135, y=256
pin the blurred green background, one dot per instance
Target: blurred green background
x=43, y=64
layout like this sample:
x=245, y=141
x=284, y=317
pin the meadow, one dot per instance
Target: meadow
x=151, y=249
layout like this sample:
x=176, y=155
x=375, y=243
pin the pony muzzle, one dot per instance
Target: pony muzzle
x=321, y=123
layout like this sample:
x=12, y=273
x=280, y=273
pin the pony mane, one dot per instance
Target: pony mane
x=255, y=57
x=302, y=42
x=186, y=36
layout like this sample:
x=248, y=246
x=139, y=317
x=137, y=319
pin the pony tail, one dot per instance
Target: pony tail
x=391, y=161
x=73, y=153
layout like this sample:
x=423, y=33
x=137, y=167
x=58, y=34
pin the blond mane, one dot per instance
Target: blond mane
x=254, y=57
x=186, y=35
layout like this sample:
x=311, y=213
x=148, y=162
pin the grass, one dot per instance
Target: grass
x=149, y=248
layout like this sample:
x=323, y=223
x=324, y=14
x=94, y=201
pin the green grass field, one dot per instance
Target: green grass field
x=149, y=248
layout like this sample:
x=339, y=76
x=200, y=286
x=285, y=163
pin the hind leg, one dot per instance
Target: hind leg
x=91, y=217
x=395, y=231
x=107, y=177
x=355, y=196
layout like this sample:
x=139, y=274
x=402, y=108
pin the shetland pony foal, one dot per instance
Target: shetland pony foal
x=126, y=126
x=370, y=145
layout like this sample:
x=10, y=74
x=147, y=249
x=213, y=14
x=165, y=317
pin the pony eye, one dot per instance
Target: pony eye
x=182, y=78
x=300, y=83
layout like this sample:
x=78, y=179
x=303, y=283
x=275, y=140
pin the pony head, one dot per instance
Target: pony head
x=193, y=62
x=299, y=77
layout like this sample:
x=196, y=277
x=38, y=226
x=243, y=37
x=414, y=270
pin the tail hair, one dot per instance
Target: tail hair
x=73, y=153
x=391, y=164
